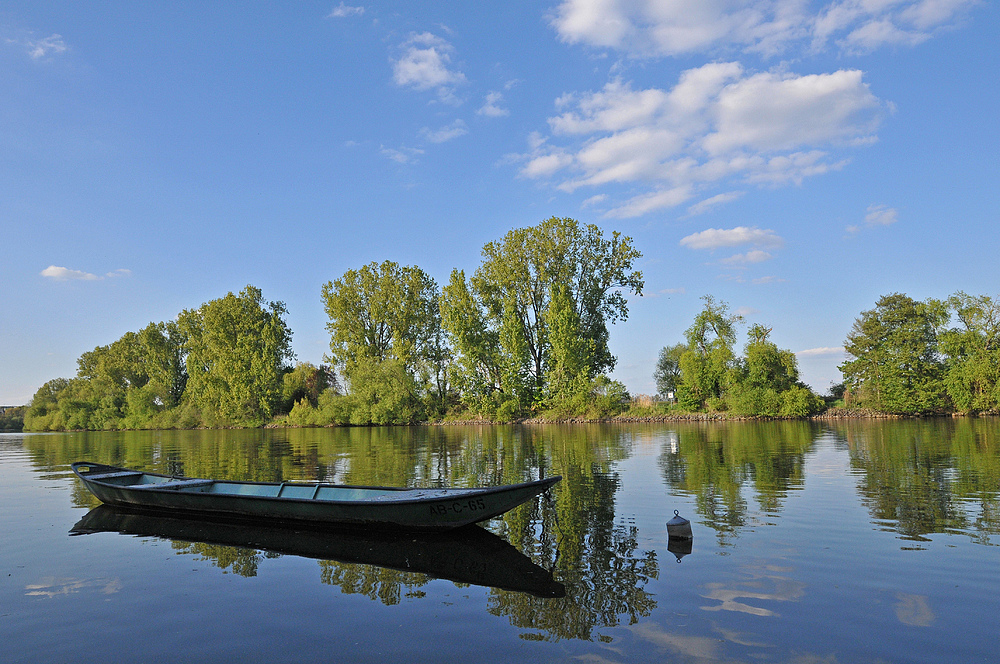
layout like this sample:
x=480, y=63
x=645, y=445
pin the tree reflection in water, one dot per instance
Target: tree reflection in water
x=916, y=477
x=921, y=477
x=573, y=532
x=715, y=462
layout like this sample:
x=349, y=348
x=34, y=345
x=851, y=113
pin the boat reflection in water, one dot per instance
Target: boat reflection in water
x=465, y=555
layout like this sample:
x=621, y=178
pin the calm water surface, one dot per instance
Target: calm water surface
x=843, y=542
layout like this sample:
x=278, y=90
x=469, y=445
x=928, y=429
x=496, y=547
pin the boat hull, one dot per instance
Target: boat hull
x=389, y=507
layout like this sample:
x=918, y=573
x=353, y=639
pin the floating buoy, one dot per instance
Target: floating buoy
x=679, y=528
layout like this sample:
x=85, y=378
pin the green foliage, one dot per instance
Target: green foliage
x=234, y=348
x=668, y=368
x=706, y=364
x=764, y=382
x=237, y=348
x=501, y=321
x=590, y=398
x=305, y=382
x=388, y=314
x=972, y=352
x=896, y=367
x=382, y=393
x=381, y=312
x=12, y=419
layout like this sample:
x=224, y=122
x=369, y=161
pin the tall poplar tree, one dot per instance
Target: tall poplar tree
x=507, y=302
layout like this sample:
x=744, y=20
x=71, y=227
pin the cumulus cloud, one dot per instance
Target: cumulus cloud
x=425, y=65
x=655, y=28
x=876, y=215
x=446, y=133
x=343, y=11
x=57, y=273
x=820, y=352
x=40, y=48
x=719, y=124
x=491, y=108
x=401, y=156
x=880, y=215
x=717, y=238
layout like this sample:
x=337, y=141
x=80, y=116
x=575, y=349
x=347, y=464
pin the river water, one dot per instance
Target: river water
x=856, y=541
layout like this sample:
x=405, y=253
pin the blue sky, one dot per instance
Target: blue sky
x=794, y=159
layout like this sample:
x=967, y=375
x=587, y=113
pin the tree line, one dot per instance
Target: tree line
x=222, y=364
x=904, y=357
x=525, y=335
x=704, y=373
x=935, y=356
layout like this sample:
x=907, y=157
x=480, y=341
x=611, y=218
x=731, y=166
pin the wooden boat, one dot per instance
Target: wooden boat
x=464, y=555
x=370, y=506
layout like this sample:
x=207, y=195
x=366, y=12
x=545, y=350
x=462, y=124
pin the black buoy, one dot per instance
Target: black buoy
x=679, y=528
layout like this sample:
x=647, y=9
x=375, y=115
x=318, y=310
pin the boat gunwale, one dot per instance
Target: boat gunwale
x=454, y=491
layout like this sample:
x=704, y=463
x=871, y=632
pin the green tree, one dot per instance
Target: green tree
x=498, y=321
x=237, y=350
x=709, y=357
x=668, y=368
x=382, y=393
x=305, y=382
x=765, y=381
x=972, y=353
x=381, y=311
x=12, y=419
x=895, y=365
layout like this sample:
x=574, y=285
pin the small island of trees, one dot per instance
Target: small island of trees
x=525, y=336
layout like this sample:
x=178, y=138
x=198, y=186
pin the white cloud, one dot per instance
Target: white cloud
x=401, y=156
x=713, y=202
x=749, y=258
x=120, y=272
x=424, y=65
x=57, y=273
x=657, y=200
x=880, y=215
x=772, y=111
x=343, y=11
x=876, y=215
x=491, y=108
x=719, y=125
x=39, y=48
x=819, y=352
x=716, y=238
x=454, y=130
x=656, y=28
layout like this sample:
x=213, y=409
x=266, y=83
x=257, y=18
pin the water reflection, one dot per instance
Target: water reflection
x=919, y=478
x=574, y=533
x=916, y=479
x=717, y=462
x=468, y=555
